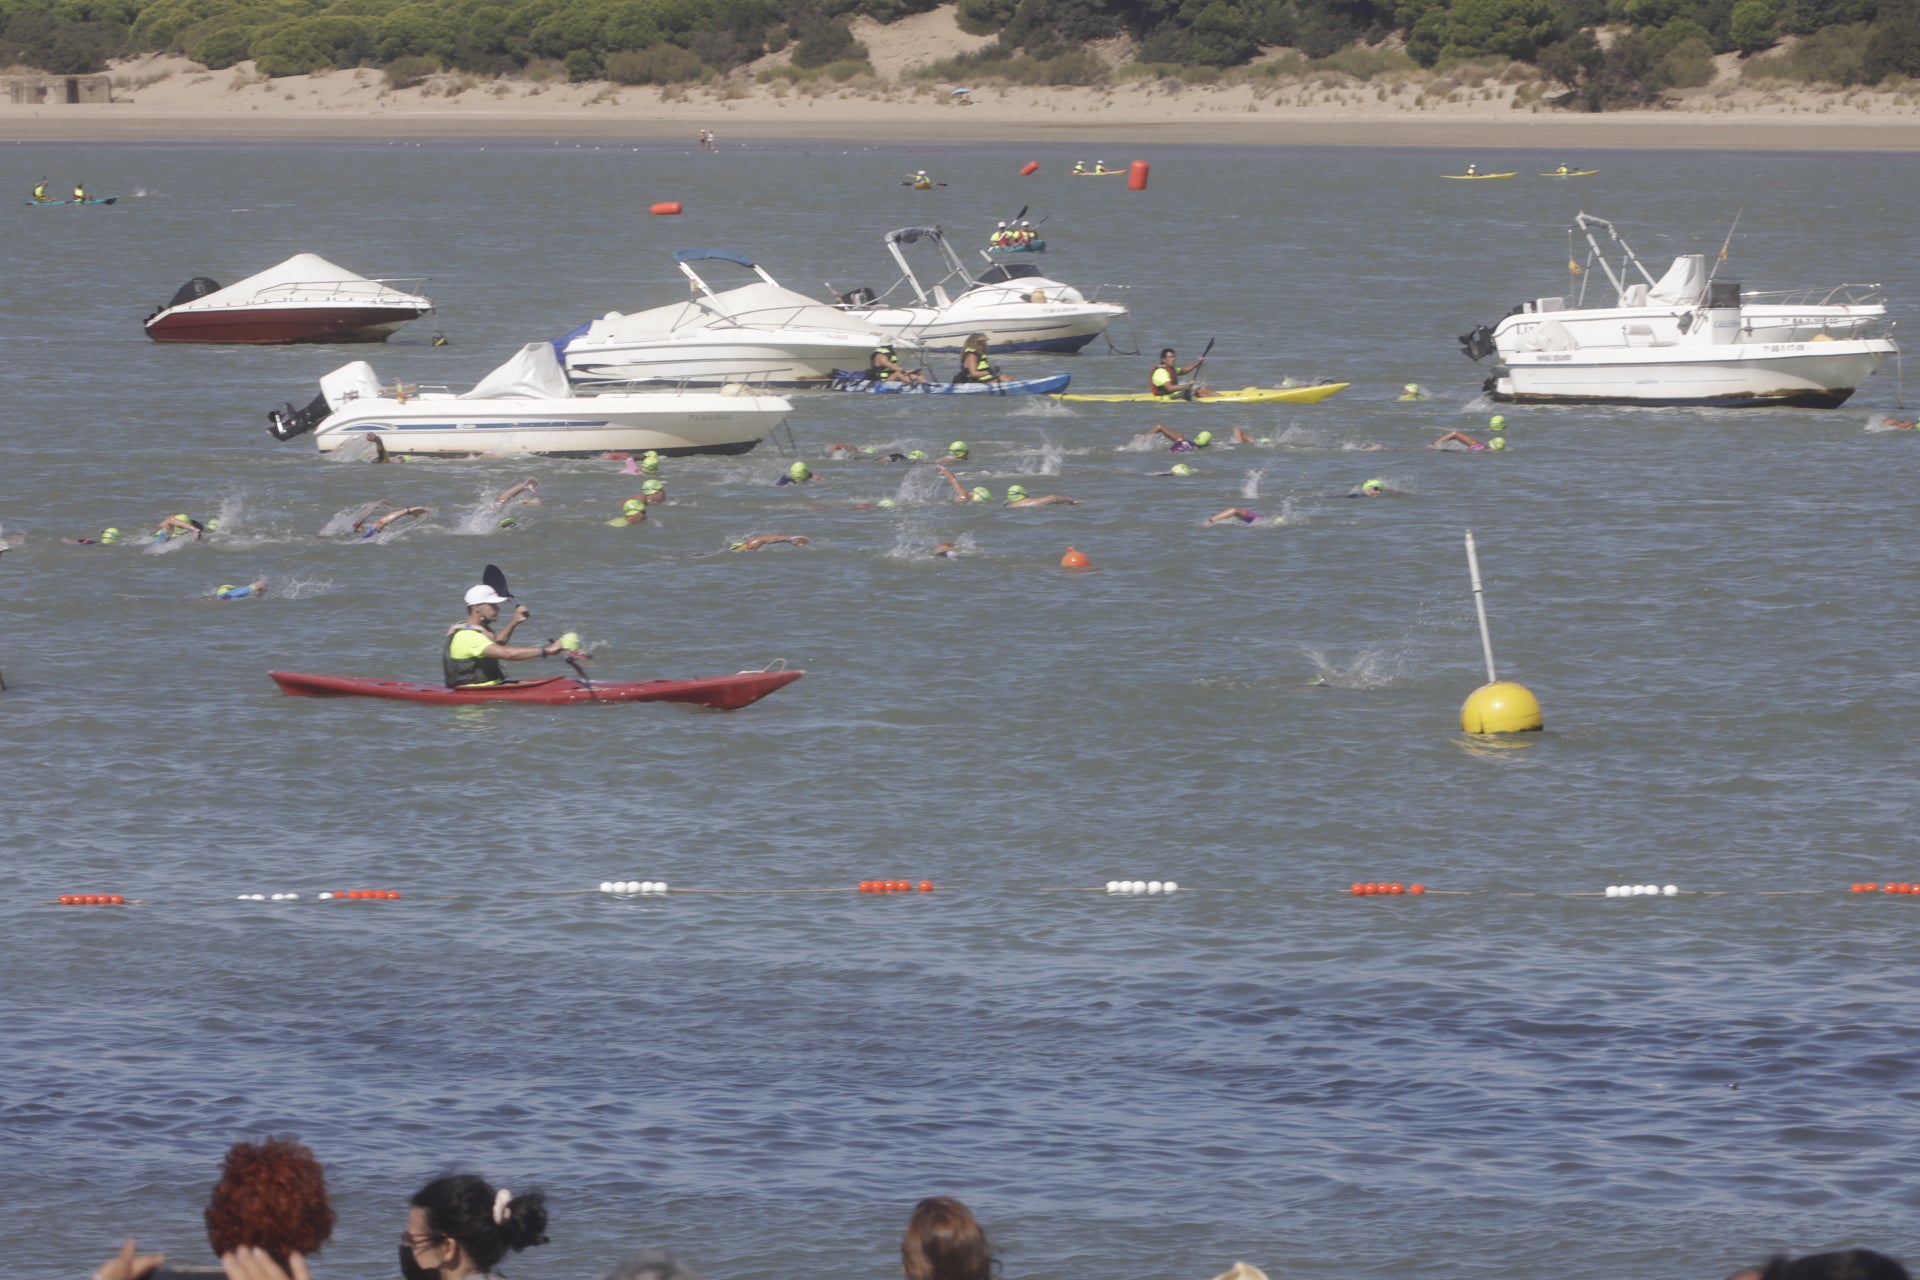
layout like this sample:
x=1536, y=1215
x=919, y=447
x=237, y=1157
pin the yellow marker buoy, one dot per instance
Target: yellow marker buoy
x=1498, y=706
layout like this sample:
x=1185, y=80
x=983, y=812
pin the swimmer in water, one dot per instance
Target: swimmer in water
x=529, y=487
x=108, y=537
x=947, y=550
x=979, y=493
x=842, y=452
x=956, y=453
x=911, y=455
x=797, y=473
x=760, y=540
x=1180, y=443
x=1458, y=442
x=1242, y=436
x=1371, y=489
x=1236, y=514
x=1017, y=497
x=175, y=527
x=1412, y=391
x=632, y=511
x=1177, y=469
x=258, y=587
x=372, y=528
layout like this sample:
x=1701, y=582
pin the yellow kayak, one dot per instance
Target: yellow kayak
x=1478, y=177
x=1246, y=395
x=1573, y=173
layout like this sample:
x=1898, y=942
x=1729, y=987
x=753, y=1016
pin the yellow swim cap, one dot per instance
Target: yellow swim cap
x=632, y=505
x=1499, y=442
x=799, y=471
x=1202, y=440
x=981, y=493
x=1182, y=469
x=958, y=448
x=1016, y=492
x=224, y=588
x=109, y=535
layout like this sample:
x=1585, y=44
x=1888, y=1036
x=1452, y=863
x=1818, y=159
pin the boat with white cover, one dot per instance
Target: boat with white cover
x=527, y=405
x=1684, y=338
x=304, y=299
x=1016, y=304
x=762, y=333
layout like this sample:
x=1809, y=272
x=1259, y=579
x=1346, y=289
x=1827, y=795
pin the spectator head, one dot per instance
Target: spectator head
x=1846, y=1264
x=460, y=1212
x=650, y=1265
x=271, y=1195
x=944, y=1242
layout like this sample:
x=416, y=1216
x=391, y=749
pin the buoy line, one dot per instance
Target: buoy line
x=623, y=889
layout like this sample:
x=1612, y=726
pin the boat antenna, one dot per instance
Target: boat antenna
x=1725, y=245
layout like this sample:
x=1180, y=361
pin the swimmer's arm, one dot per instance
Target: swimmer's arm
x=959, y=491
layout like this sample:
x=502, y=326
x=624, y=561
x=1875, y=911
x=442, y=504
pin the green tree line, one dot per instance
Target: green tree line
x=1656, y=43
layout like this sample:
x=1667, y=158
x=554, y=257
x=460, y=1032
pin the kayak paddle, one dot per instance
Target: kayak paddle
x=493, y=577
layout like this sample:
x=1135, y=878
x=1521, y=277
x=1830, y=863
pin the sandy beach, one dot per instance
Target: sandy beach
x=164, y=97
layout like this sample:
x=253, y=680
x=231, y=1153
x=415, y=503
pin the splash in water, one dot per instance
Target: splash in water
x=1430, y=641
x=1250, y=487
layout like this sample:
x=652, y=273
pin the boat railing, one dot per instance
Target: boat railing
x=340, y=290
x=1839, y=295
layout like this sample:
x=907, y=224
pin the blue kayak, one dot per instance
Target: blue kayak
x=1032, y=246
x=848, y=380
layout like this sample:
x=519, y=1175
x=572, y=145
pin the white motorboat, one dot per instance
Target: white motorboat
x=304, y=299
x=760, y=333
x=526, y=406
x=1016, y=304
x=1684, y=339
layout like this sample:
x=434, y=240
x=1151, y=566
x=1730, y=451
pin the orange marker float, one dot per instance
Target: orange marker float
x=1137, y=176
x=1030, y=168
x=666, y=208
x=1075, y=559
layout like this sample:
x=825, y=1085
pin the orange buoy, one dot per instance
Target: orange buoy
x=926, y=886
x=1075, y=560
x=1137, y=176
x=1030, y=168
x=667, y=208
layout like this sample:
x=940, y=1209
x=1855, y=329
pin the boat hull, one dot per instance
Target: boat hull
x=782, y=360
x=1245, y=395
x=1814, y=375
x=272, y=326
x=581, y=426
x=720, y=693
x=1062, y=327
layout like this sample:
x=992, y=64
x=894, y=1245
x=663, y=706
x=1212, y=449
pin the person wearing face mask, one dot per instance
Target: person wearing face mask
x=459, y=1228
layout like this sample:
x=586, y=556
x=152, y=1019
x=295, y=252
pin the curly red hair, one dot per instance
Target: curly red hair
x=271, y=1195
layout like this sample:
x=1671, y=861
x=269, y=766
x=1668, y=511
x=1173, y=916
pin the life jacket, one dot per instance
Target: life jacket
x=1160, y=386
x=79, y=194
x=462, y=672
x=875, y=372
x=40, y=191
x=983, y=371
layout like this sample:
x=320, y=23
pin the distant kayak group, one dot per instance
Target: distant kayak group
x=42, y=195
x=1473, y=174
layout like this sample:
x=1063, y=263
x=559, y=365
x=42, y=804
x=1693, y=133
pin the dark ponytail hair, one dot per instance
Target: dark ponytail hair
x=460, y=1206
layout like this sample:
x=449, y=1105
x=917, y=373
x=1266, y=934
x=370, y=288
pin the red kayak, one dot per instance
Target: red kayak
x=722, y=693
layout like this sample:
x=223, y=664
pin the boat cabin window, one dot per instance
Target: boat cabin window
x=1002, y=272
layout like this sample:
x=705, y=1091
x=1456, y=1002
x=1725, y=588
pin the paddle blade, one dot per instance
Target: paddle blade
x=493, y=577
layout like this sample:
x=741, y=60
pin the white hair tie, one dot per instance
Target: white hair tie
x=501, y=1199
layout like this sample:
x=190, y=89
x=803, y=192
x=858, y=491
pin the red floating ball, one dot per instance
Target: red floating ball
x=1394, y=888
x=1416, y=888
x=926, y=886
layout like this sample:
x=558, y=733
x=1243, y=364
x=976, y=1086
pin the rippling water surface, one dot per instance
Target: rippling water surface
x=1716, y=610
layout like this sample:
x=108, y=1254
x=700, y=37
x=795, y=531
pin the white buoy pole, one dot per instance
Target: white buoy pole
x=1480, y=607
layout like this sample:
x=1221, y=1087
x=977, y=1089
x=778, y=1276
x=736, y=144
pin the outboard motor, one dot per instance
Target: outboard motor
x=1477, y=344
x=286, y=422
x=198, y=287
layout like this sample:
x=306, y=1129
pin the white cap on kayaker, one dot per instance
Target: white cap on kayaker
x=483, y=594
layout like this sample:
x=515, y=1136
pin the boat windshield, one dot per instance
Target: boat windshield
x=1002, y=272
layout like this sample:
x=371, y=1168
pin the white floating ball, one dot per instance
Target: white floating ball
x=1154, y=886
x=1171, y=887
x=1613, y=891
x=659, y=886
x=1670, y=890
x=1113, y=886
x=325, y=896
x=1652, y=890
x=1138, y=886
x=606, y=886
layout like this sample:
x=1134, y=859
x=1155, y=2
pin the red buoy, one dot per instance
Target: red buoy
x=1137, y=176
x=1030, y=168
x=667, y=208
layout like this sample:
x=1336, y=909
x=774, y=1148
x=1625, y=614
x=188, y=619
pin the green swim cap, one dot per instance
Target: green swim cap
x=224, y=588
x=958, y=448
x=1498, y=422
x=1182, y=469
x=1015, y=492
x=188, y=519
x=650, y=463
x=981, y=493
x=799, y=471
x=109, y=535
x=916, y=455
x=1499, y=442
x=885, y=502
x=632, y=505
x=1202, y=440
x=509, y=522
x=213, y=524
x=1372, y=486
x=653, y=486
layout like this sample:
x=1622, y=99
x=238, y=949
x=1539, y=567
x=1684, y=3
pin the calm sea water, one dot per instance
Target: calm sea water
x=1715, y=610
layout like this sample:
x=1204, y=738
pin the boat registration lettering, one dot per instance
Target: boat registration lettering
x=711, y=417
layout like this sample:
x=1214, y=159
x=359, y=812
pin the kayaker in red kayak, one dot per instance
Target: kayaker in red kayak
x=475, y=651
